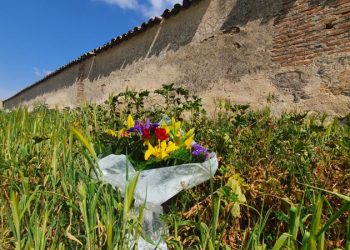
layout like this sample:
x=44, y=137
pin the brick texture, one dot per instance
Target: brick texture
x=306, y=29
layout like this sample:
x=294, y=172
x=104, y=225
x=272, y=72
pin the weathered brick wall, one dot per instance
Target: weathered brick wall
x=306, y=29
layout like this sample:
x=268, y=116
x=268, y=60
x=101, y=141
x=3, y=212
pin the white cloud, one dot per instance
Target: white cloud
x=124, y=4
x=149, y=8
x=156, y=7
x=41, y=72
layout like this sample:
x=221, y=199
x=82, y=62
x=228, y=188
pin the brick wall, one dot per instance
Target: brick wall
x=306, y=29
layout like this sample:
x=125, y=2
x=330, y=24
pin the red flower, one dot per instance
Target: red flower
x=161, y=134
x=146, y=134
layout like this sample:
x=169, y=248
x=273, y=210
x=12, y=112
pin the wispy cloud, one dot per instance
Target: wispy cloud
x=156, y=7
x=41, y=72
x=124, y=4
x=148, y=8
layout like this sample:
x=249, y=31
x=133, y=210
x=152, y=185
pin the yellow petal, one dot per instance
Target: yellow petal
x=131, y=122
x=188, y=142
x=122, y=132
x=163, y=145
x=112, y=132
x=175, y=125
x=190, y=133
x=171, y=147
x=150, y=151
x=163, y=155
x=165, y=126
x=148, y=154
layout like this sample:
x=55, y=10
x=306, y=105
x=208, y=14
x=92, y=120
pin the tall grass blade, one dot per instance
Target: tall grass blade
x=341, y=196
x=16, y=220
x=316, y=223
x=281, y=241
x=305, y=241
x=215, y=219
x=84, y=141
x=347, y=247
x=337, y=215
x=294, y=221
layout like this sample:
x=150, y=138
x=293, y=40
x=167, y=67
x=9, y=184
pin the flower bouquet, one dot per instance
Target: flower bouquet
x=169, y=161
x=154, y=145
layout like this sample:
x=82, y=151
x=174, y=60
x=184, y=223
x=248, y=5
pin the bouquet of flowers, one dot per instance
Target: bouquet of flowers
x=154, y=145
x=168, y=160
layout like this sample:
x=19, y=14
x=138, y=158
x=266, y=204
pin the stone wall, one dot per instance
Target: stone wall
x=259, y=52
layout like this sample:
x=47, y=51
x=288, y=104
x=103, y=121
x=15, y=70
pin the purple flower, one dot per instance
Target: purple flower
x=137, y=128
x=198, y=150
x=141, y=126
x=149, y=125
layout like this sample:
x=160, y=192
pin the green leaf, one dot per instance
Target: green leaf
x=281, y=241
x=337, y=215
x=215, y=218
x=305, y=241
x=316, y=223
x=347, y=247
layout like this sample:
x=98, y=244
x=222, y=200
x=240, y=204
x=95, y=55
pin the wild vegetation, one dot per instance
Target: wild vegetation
x=283, y=181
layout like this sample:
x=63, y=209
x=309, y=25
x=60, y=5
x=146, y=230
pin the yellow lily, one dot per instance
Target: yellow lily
x=190, y=133
x=165, y=126
x=176, y=127
x=188, y=138
x=112, y=133
x=130, y=123
x=188, y=142
x=174, y=131
x=123, y=133
x=161, y=151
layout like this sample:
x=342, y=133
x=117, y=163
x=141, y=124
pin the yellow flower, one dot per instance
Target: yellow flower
x=188, y=138
x=130, y=123
x=123, y=133
x=161, y=151
x=188, y=142
x=112, y=133
x=190, y=133
x=175, y=127
x=165, y=126
x=174, y=130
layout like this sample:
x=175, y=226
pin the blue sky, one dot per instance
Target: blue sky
x=39, y=36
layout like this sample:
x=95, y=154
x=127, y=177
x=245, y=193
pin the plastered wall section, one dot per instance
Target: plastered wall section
x=59, y=90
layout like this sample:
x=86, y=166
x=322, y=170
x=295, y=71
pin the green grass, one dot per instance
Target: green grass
x=270, y=191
